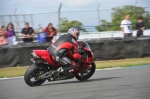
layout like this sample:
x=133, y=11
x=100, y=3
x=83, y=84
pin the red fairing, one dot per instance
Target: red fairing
x=68, y=46
x=86, y=49
x=77, y=56
x=44, y=54
x=90, y=58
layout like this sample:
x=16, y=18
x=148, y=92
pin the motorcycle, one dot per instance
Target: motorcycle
x=45, y=68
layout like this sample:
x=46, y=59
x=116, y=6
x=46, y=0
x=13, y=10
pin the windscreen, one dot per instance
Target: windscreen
x=85, y=44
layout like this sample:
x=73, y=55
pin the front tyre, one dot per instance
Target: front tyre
x=86, y=73
x=31, y=75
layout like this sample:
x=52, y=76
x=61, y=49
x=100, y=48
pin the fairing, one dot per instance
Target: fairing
x=45, y=55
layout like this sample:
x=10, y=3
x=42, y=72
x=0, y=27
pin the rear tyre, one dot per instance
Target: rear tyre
x=32, y=73
x=86, y=74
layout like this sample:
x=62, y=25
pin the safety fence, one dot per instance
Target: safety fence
x=95, y=35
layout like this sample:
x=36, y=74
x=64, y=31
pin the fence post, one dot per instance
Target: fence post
x=98, y=18
x=59, y=19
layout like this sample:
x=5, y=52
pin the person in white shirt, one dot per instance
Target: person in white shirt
x=126, y=26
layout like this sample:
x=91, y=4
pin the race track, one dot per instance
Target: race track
x=127, y=83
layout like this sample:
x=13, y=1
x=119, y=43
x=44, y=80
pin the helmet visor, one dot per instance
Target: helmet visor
x=77, y=33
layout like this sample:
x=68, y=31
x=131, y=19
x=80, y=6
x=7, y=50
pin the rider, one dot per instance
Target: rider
x=66, y=48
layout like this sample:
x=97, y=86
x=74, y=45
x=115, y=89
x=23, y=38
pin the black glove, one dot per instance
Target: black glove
x=82, y=51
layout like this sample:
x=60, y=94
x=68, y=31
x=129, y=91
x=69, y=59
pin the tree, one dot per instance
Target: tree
x=66, y=24
x=118, y=16
x=104, y=26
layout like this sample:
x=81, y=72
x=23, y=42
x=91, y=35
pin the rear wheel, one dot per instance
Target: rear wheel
x=86, y=73
x=32, y=73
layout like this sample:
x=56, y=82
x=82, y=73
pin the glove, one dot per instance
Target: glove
x=82, y=51
x=84, y=56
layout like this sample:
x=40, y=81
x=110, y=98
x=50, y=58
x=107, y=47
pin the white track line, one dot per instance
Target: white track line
x=6, y=78
x=111, y=68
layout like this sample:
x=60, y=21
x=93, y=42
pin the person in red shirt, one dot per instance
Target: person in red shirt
x=51, y=31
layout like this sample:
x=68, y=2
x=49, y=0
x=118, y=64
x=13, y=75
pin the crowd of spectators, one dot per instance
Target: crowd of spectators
x=8, y=37
x=42, y=35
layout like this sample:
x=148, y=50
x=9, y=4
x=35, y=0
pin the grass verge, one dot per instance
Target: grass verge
x=122, y=63
x=19, y=71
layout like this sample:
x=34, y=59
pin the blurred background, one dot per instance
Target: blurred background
x=98, y=20
x=95, y=18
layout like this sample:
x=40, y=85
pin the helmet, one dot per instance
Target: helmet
x=74, y=32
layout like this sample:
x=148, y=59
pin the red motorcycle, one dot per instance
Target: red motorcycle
x=45, y=68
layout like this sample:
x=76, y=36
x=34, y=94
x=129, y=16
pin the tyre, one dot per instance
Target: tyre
x=32, y=73
x=87, y=73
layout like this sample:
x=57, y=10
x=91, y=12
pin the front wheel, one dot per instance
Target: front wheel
x=86, y=73
x=32, y=73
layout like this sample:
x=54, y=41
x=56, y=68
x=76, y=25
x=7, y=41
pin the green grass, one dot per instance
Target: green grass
x=12, y=71
x=19, y=71
x=122, y=63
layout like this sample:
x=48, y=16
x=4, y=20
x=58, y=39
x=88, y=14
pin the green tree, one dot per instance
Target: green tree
x=66, y=24
x=118, y=15
x=104, y=26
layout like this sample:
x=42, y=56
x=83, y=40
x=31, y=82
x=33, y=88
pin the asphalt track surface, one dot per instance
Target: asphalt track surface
x=127, y=83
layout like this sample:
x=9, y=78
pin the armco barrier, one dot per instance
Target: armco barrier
x=109, y=50
x=105, y=49
x=18, y=55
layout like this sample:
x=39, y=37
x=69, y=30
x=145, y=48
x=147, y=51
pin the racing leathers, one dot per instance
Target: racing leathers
x=65, y=51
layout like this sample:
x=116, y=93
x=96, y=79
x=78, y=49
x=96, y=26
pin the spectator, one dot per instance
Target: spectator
x=126, y=26
x=2, y=30
x=12, y=27
x=11, y=38
x=140, y=26
x=27, y=33
x=3, y=35
x=42, y=35
x=51, y=31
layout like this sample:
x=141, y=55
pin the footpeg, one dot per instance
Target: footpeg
x=60, y=69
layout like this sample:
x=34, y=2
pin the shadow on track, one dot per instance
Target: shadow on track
x=87, y=81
